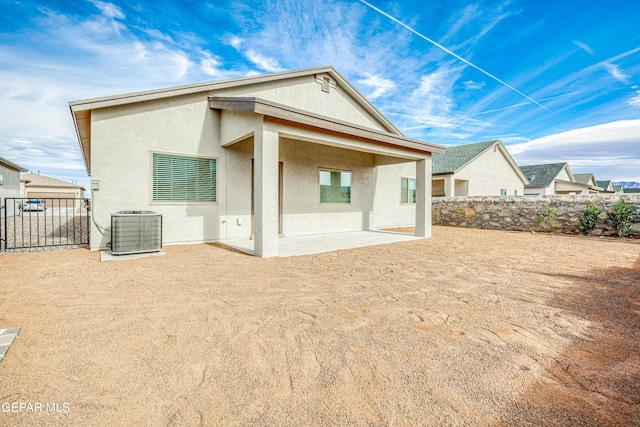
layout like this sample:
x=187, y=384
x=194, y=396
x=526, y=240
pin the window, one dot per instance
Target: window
x=408, y=190
x=183, y=179
x=503, y=191
x=515, y=192
x=335, y=187
x=1, y=180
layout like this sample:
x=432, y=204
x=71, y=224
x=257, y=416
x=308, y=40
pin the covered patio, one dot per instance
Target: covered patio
x=272, y=132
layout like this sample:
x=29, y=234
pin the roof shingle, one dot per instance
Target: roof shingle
x=542, y=175
x=454, y=158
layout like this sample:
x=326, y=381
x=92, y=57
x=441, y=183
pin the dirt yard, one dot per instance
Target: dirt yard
x=471, y=327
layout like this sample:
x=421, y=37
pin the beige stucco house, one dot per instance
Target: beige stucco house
x=552, y=178
x=595, y=186
x=36, y=186
x=482, y=169
x=9, y=179
x=293, y=153
x=606, y=186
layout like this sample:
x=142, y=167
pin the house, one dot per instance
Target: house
x=36, y=186
x=606, y=186
x=617, y=188
x=9, y=179
x=287, y=154
x=590, y=180
x=482, y=169
x=552, y=178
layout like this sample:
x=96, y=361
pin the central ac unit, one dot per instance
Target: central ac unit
x=135, y=232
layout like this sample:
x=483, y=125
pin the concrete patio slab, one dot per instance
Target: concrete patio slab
x=315, y=244
x=7, y=337
x=108, y=256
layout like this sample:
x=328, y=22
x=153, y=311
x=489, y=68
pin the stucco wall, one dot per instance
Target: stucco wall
x=123, y=140
x=387, y=206
x=489, y=173
x=336, y=103
x=519, y=213
x=486, y=175
x=303, y=212
x=11, y=182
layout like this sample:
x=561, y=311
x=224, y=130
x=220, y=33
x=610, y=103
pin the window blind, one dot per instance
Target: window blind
x=183, y=179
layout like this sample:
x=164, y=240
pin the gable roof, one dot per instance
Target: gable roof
x=543, y=175
x=604, y=184
x=457, y=157
x=37, y=180
x=81, y=109
x=12, y=165
x=585, y=178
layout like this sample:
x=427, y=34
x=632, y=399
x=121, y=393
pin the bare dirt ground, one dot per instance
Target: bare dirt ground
x=470, y=327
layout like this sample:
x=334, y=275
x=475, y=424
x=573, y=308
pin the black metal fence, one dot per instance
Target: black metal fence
x=43, y=223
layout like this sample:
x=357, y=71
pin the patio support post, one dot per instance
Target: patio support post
x=423, y=197
x=265, y=152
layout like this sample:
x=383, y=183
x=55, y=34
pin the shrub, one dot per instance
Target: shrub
x=589, y=219
x=621, y=216
x=545, y=218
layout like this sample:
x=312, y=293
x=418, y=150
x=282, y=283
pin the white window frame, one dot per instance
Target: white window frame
x=178, y=202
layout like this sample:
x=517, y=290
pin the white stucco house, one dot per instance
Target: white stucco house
x=552, y=178
x=9, y=179
x=287, y=154
x=481, y=169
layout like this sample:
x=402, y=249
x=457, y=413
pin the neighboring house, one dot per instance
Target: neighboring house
x=482, y=169
x=9, y=179
x=606, y=186
x=617, y=188
x=36, y=186
x=588, y=179
x=551, y=178
x=294, y=153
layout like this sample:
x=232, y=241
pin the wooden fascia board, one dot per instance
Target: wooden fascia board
x=288, y=114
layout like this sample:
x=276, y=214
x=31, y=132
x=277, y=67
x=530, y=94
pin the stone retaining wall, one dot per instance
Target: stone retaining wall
x=520, y=212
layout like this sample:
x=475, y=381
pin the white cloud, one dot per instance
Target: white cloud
x=263, y=62
x=471, y=85
x=610, y=150
x=236, y=42
x=379, y=85
x=583, y=46
x=635, y=101
x=616, y=73
x=109, y=10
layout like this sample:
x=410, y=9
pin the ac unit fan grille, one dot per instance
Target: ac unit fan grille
x=133, y=232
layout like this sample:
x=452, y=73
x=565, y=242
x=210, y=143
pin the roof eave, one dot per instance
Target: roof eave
x=12, y=165
x=290, y=114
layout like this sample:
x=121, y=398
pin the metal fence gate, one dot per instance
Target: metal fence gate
x=27, y=223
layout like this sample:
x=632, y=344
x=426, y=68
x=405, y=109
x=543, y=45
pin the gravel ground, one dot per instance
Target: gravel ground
x=470, y=327
x=45, y=228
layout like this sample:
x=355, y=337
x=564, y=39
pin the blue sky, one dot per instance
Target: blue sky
x=554, y=80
